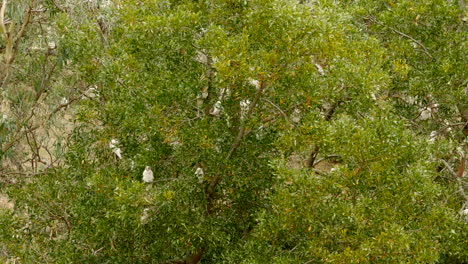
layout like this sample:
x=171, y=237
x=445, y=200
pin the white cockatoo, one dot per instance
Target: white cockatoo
x=64, y=101
x=216, y=110
x=148, y=175
x=145, y=215
x=425, y=113
x=464, y=212
x=433, y=136
x=92, y=92
x=115, y=149
x=244, y=107
x=199, y=173
x=224, y=93
x=255, y=83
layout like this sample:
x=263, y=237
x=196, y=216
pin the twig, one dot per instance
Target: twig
x=325, y=158
x=58, y=7
x=63, y=106
x=277, y=107
x=404, y=35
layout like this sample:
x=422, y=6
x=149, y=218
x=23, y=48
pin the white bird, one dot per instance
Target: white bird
x=255, y=83
x=113, y=143
x=64, y=101
x=225, y=93
x=116, y=150
x=244, y=104
x=144, y=215
x=215, y=111
x=464, y=212
x=425, y=114
x=199, y=173
x=92, y=92
x=433, y=136
x=148, y=175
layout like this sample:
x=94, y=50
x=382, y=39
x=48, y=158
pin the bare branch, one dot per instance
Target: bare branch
x=277, y=107
x=2, y=19
x=449, y=168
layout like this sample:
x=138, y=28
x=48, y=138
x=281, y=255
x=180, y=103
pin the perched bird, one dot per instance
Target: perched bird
x=116, y=150
x=145, y=215
x=224, y=93
x=433, y=136
x=92, y=92
x=425, y=114
x=64, y=101
x=199, y=173
x=148, y=175
x=244, y=106
x=464, y=212
x=254, y=83
x=216, y=110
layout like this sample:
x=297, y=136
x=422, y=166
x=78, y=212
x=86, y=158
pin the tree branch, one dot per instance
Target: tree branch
x=403, y=35
x=2, y=19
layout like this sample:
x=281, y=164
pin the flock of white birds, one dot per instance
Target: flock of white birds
x=148, y=175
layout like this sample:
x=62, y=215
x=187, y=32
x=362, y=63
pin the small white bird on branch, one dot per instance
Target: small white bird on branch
x=433, y=136
x=116, y=150
x=92, y=92
x=148, y=175
x=255, y=83
x=199, y=173
x=244, y=107
x=216, y=110
x=425, y=113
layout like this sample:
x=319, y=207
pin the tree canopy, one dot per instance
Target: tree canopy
x=276, y=131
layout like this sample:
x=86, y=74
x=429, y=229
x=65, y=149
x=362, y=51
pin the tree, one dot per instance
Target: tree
x=292, y=111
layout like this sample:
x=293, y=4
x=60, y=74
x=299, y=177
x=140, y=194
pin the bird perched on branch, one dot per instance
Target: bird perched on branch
x=148, y=175
x=116, y=150
x=216, y=110
x=199, y=173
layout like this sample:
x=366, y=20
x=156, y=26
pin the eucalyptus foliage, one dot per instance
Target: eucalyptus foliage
x=278, y=131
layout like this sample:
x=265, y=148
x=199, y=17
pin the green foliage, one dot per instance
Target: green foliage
x=326, y=78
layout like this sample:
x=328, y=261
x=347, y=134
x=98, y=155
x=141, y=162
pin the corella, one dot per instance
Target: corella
x=148, y=175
